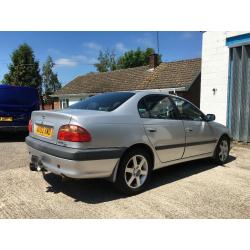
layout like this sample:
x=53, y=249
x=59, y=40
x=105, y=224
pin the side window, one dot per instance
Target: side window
x=156, y=107
x=187, y=110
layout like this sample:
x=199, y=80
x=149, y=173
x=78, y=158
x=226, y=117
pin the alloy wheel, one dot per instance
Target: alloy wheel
x=136, y=171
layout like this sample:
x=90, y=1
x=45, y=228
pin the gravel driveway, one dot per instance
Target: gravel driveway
x=198, y=189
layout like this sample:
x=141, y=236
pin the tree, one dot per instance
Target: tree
x=107, y=61
x=130, y=59
x=135, y=58
x=23, y=69
x=49, y=78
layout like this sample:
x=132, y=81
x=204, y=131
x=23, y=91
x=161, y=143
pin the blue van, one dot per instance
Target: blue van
x=16, y=105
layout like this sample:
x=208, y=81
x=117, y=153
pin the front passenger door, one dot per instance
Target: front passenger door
x=199, y=135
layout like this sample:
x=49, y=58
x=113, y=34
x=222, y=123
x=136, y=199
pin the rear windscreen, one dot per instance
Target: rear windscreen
x=103, y=102
x=18, y=96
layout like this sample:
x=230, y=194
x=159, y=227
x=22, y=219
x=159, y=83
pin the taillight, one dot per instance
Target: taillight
x=73, y=133
x=30, y=126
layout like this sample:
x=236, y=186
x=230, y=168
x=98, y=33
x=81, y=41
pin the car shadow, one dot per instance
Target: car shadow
x=94, y=191
x=13, y=136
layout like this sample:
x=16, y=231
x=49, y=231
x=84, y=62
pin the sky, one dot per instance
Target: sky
x=76, y=52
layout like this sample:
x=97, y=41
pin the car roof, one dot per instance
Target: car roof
x=152, y=92
x=146, y=92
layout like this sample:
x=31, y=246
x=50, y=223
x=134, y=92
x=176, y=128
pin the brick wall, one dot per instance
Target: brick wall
x=48, y=106
x=193, y=94
x=56, y=104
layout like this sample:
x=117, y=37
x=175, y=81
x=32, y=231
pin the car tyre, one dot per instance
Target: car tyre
x=134, y=172
x=221, y=152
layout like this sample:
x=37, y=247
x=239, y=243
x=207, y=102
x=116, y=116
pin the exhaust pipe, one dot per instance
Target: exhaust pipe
x=38, y=169
x=36, y=165
x=33, y=166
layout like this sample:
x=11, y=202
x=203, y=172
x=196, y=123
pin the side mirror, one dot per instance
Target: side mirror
x=210, y=117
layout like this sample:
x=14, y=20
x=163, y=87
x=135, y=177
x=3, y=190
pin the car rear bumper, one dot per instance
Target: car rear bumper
x=73, y=163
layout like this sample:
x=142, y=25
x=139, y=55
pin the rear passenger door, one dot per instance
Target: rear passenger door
x=164, y=130
x=200, y=138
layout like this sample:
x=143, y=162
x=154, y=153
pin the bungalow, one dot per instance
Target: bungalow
x=180, y=77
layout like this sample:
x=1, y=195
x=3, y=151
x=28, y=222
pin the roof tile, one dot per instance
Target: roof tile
x=166, y=75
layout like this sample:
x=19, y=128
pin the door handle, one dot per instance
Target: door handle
x=188, y=130
x=152, y=130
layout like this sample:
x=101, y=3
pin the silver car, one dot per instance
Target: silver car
x=123, y=136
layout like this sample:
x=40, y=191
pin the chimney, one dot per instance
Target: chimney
x=153, y=61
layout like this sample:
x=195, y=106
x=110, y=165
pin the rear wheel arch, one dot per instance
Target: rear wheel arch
x=142, y=146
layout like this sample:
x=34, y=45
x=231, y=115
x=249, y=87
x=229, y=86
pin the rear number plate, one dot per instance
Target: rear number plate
x=44, y=130
x=6, y=119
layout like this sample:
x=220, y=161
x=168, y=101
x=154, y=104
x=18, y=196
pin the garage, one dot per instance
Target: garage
x=225, y=80
x=239, y=91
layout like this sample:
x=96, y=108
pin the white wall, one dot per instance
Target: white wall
x=214, y=73
x=73, y=100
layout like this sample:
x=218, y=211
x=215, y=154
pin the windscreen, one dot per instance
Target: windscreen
x=18, y=96
x=103, y=102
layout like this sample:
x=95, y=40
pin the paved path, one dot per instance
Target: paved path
x=192, y=190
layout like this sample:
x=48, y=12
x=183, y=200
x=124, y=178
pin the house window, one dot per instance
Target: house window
x=64, y=103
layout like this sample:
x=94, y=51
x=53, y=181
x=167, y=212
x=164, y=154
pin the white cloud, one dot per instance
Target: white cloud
x=146, y=40
x=67, y=62
x=92, y=45
x=75, y=61
x=120, y=47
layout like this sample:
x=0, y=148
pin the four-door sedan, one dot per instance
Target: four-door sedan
x=123, y=136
